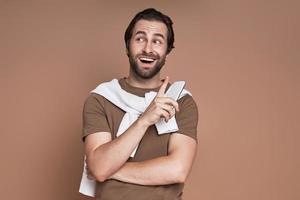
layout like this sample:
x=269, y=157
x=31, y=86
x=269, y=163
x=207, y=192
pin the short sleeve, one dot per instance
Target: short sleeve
x=187, y=117
x=94, y=116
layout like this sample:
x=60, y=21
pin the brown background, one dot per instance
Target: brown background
x=239, y=58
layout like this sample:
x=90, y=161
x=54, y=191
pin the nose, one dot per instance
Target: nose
x=148, y=47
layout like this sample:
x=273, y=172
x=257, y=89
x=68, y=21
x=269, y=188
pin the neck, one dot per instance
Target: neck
x=139, y=82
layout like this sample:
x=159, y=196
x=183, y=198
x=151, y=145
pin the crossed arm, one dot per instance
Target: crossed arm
x=173, y=168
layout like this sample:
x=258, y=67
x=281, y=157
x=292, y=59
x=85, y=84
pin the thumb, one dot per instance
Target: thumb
x=163, y=87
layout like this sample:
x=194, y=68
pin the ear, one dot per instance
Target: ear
x=167, y=54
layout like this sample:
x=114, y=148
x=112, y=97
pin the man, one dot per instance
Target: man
x=161, y=162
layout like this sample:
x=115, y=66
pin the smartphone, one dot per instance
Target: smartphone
x=175, y=89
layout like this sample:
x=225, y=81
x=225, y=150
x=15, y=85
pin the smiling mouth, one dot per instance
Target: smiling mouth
x=147, y=60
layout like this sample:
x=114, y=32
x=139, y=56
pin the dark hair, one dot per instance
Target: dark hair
x=152, y=15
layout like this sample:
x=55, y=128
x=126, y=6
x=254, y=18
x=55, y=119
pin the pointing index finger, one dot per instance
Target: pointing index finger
x=163, y=87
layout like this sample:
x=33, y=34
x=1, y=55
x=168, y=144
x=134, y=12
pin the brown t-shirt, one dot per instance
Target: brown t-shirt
x=100, y=115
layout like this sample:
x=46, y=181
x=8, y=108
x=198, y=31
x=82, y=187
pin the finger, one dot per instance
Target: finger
x=169, y=101
x=166, y=115
x=163, y=87
x=170, y=109
x=172, y=112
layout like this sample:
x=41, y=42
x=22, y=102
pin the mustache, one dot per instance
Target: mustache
x=149, y=55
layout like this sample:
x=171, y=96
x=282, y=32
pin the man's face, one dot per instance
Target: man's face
x=147, y=48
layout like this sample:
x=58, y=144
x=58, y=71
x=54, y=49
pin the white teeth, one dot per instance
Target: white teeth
x=147, y=59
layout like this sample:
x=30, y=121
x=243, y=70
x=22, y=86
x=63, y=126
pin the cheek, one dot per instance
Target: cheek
x=161, y=51
x=134, y=48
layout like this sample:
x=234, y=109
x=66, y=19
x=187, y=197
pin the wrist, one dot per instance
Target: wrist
x=142, y=123
x=116, y=175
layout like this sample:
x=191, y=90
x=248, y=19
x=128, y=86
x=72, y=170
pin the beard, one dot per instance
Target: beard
x=146, y=74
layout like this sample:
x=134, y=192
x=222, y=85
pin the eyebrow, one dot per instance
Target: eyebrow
x=144, y=33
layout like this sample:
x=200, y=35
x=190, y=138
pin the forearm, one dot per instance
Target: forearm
x=158, y=171
x=106, y=159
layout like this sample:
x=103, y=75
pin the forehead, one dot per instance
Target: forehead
x=150, y=27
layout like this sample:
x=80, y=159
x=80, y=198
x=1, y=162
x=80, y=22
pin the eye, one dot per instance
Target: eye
x=157, y=42
x=140, y=39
